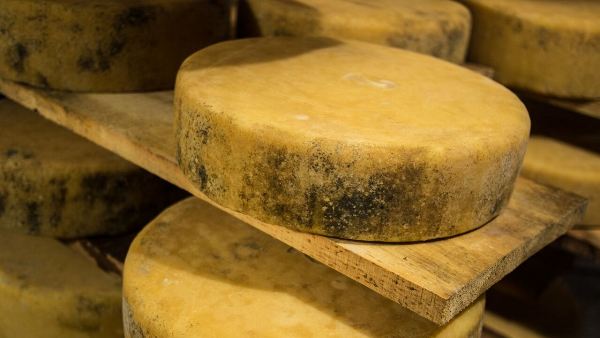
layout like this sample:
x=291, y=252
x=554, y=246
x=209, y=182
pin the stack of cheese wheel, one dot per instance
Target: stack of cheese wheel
x=48, y=290
x=436, y=27
x=550, y=47
x=348, y=139
x=104, y=45
x=54, y=183
x=568, y=167
x=196, y=271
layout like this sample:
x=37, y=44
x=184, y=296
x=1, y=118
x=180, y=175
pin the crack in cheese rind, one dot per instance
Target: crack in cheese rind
x=550, y=47
x=196, y=271
x=567, y=167
x=104, y=45
x=436, y=27
x=54, y=183
x=47, y=290
x=381, y=144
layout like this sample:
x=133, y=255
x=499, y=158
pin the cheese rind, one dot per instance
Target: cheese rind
x=104, y=45
x=567, y=167
x=437, y=27
x=55, y=183
x=549, y=47
x=48, y=290
x=347, y=139
x=196, y=271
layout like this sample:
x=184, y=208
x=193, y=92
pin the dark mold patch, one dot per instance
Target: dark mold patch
x=202, y=176
x=17, y=55
x=33, y=217
x=344, y=206
x=99, y=59
x=135, y=16
x=10, y=153
x=2, y=203
x=57, y=200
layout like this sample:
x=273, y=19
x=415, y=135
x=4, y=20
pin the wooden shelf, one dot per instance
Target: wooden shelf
x=589, y=108
x=436, y=279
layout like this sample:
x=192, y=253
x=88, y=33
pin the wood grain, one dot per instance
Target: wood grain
x=436, y=279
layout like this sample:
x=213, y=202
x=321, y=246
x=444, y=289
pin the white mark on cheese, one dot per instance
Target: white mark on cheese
x=167, y=282
x=368, y=81
x=301, y=117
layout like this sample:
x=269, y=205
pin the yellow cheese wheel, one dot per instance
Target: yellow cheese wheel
x=550, y=47
x=55, y=183
x=50, y=291
x=436, y=27
x=348, y=139
x=196, y=271
x=567, y=167
x=104, y=45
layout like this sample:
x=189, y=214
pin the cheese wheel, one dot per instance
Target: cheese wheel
x=437, y=27
x=50, y=291
x=348, y=139
x=54, y=183
x=104, y=45
x=196, y=271
x=550, y=47
x=567, y=167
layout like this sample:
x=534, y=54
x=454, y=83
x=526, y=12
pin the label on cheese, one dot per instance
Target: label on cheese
x=196, y=271
x=567, y=167
x=550, y=47
x=437, y=27
x=55, y=183
x=348, y=139
x=104, y=45
x=50, y=291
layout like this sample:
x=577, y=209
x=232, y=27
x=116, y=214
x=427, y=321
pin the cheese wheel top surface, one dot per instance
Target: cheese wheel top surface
x=348, y=139
x=354, y=93
x=51, y=291
x=436, y=27
x=197, y=271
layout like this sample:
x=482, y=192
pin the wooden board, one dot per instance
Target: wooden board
x=590, y=108
x=435, y=279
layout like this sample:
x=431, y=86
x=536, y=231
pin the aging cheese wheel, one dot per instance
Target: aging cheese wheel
x=50, y=291
x=348, y=139
x=567, y=167
x=550, y=47
x=436, y=27
x=104, y=45
x=196, y=271
x=54, y=183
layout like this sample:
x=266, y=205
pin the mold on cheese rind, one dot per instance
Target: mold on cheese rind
x=54, y=183
x=49, y=290
x=400, y=176
x=548, y=47
x=108, y=46
x=436, y=27
x=197, y=271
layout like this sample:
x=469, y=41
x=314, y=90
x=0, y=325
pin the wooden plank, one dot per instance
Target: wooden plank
x=590, y=108
x=435, y=279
